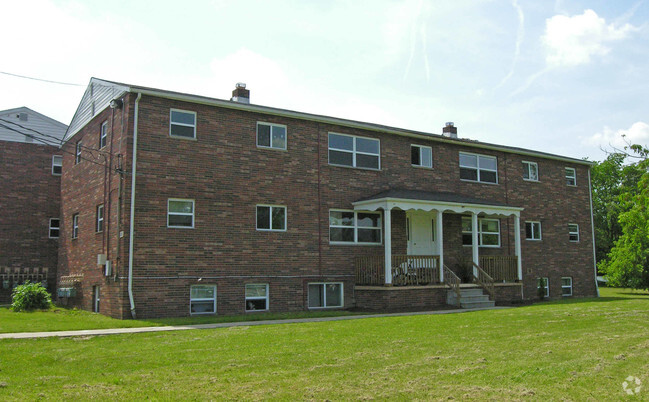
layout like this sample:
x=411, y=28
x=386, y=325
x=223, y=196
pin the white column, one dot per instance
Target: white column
x=474, y=243
x=517, y=242
x=440, y=243
x=387, y=234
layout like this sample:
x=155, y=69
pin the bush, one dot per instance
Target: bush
x=30, y=296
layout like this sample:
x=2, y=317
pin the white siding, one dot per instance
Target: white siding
x=36, y=125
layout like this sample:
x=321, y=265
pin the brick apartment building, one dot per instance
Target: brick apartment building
x=176, y=204
x=30, y=184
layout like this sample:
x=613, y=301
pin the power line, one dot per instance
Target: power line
x=41, y=79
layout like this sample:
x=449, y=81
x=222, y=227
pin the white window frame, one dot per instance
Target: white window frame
x=571, y=177
x=354, y=152
x=477, y=168
x=77, y=152
x=563, y=287
x=547, y=285
x=99, y=223
x=356, y=227
x=103, y=134
x=421, y=148
x=270, y=216
x=480, y=233
x=272, y=125
x=342, y=295
x=573, y=232
x=265, y=298
x=58, y=164
x=202, y=300
x=192, y=214
x=57, y=228
x=75, y=226
x=528, y=168
x=532, y=225
x=182, y=124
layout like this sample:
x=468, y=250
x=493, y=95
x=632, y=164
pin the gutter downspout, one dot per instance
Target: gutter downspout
x=592, y=228
x=131, y=229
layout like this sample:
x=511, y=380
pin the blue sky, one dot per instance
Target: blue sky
x=566, y=77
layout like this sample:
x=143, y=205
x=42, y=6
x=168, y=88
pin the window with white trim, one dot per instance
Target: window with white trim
x=421, y=156
x=55, y=228
x=75, y=226
x=566, y=286
x=354, y=227
x=257, y=297
x=271, y=217
x=571, y=177
x=103, y=134
x=573, y=232
x=353, y=151
x=99, y=227
x=271, y=135
x=77, y=153
x=488, y=232
x=182, y=124
x=533, y=230
x=57, y=165
x=545, y=283
x=530, y=171
x=202, y=299
x=325, y=295
x=180, y=213
x=480, y=168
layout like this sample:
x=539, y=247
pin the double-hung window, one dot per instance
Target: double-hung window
x=77, y=153
x=75, y=226
x=55, y=227
x=202, y=299
x=488, y=232
x=182, y=124
x=566, y=286
x=354, y=227
x=271, y=136
x=325, y=295
x=533, y=230
x=530, y=171
x=573, y=232
x=571, y=177
x=57, y=165
x=180, y=213
x=480, y=168
x=99, y=227
x=352, y=151
x=103, y=134
x=271, y=217
x=257, y=297
x=421, y=156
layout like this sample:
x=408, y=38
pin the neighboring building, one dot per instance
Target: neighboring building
x=199, y=206
x=30, y=194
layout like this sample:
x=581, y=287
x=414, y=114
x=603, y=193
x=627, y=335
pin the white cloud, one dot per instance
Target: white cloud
x=608, y=138
x=571, y=41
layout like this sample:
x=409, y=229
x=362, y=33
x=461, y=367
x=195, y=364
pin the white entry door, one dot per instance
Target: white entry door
x=421, y=233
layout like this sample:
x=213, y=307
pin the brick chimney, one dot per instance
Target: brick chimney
x=240, y=93
x=449, y=130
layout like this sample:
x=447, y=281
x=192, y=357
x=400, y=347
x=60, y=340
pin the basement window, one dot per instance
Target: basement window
x=182, y=124
x=325, y=295
x=257, y=297
x=180, y=213
x=566, y=286
x=57, y=165
x=202, y=299
x=271, y=136
x=421, y=156
x=480, y=168
x=55, y=228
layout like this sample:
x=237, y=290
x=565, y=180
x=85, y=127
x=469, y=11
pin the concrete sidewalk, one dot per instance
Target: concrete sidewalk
x=115, y=331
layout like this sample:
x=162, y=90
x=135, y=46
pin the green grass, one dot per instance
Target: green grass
x=568, y=350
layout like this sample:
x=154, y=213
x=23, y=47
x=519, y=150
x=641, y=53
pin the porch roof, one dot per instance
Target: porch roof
x=429, y=201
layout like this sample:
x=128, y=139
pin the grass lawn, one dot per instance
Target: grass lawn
x=567, y=350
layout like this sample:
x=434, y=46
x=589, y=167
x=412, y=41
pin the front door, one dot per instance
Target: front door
x=421, y=233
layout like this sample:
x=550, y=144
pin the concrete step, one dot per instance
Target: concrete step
x=470, y=297
x=471, y=292
x=477, y=304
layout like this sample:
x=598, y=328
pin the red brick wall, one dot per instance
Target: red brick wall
x=30, y=196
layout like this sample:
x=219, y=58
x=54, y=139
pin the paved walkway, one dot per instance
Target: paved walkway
x=114, y=331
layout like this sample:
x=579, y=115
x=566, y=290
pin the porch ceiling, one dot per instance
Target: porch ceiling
x=433, y=201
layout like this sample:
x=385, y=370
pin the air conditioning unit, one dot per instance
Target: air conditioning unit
x=101, y=259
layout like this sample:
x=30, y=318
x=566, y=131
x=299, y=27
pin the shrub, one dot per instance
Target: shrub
x=30, y=296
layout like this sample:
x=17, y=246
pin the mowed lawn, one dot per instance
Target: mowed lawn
x=574, y=349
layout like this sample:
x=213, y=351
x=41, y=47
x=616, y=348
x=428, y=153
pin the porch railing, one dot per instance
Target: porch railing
x=407, y=270
x=370, y=270
x=502, y=268
x=484, y=280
